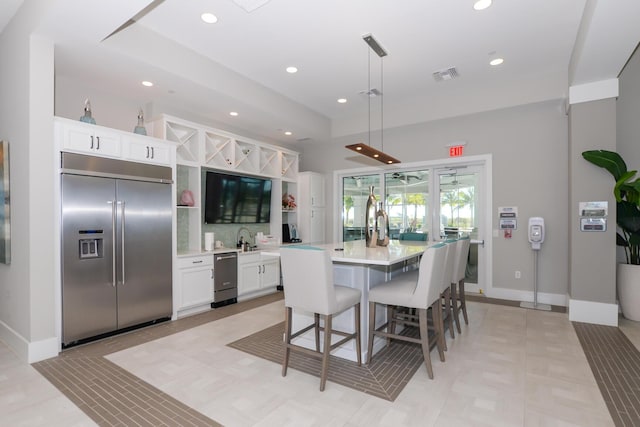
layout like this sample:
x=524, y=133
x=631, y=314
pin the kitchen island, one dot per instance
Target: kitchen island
x=359, y=267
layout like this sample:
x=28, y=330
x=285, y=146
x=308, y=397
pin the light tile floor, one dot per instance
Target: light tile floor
x=510, y=367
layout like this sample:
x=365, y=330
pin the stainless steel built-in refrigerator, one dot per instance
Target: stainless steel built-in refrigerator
x=116, y=245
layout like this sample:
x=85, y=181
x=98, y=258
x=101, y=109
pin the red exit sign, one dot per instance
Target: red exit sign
x=456, y=150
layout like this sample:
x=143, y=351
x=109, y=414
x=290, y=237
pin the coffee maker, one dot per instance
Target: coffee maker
x=290, y=234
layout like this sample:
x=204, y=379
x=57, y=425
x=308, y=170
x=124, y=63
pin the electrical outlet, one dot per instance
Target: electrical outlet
x=518, y=275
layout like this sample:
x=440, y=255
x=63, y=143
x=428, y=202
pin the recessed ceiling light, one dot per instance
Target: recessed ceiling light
x=209, y=18
x=147, y=83
x=292, y=70
x=233, y=113
x=288, y=133
x=342, y=100
x=481, y=4
x=496, y=61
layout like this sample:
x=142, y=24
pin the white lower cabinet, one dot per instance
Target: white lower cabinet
x=257, y=274
x=195, y=284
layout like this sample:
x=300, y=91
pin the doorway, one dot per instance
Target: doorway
x=426, y=201
x=459, y=212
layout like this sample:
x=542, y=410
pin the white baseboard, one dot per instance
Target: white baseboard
x=29, y=352
x=43, y=349
x=526, y=296
x=593, y=312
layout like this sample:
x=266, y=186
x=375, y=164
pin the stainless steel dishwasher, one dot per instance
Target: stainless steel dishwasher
x=225, y=279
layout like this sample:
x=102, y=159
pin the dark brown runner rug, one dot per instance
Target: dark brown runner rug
x=615, y=363
x=386, y=376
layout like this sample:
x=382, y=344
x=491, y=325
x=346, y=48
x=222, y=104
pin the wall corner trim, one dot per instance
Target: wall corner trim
x=593, y=312
x=594, y=91
x=29, y=352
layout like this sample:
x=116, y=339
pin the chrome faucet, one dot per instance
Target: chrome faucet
x=240, y=233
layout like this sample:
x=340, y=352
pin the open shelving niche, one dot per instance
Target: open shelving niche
x=201, y=147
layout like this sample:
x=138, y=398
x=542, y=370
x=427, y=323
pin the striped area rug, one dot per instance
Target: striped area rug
x=386, y=376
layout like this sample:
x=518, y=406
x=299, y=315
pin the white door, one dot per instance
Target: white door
x=459, y=209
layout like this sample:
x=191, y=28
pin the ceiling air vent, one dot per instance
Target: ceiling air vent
x=446, y=74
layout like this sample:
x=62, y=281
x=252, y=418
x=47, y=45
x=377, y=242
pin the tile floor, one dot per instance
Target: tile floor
x=510, y=367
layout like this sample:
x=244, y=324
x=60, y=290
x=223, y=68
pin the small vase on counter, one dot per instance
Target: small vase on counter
x=382, y=227
x=370, y=220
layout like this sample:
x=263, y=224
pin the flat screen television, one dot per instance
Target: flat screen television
x=236, y=199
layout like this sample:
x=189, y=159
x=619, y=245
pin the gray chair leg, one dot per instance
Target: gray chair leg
x=316, y=318
x=391, y=323
x=372, y=325
x=358, y=345
x=438, y=326
x=448, y=311
x=326, y=350
x=424, y=338
x=287, y=339
x=463, y=301
x=456, y=307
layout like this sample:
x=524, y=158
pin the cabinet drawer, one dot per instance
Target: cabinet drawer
x=244, y=258
x=195, y=261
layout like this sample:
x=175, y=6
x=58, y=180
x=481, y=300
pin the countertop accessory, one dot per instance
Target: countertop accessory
x=209, y=239
x=382, y=227
x=370, y=220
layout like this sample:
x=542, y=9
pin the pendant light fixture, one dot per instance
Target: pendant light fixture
x=367, y=149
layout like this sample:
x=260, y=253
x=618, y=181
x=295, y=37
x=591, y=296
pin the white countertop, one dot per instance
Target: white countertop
x=356, y=252
x=203, y=252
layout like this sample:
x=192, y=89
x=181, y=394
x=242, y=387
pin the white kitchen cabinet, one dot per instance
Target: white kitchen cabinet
x=194, y=290
x=218, y=149
x=147, y=150
x=96, y=140
x=257, y=274
x=311, y=207
x=90, y=139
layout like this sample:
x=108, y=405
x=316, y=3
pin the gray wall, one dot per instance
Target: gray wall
x=593, y=255
x=530, y=157
x=628, y=113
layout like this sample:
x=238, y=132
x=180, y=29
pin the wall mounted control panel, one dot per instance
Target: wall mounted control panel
x=593, y=224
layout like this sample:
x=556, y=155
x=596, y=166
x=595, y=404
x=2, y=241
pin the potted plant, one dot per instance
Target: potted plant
x=627, y=194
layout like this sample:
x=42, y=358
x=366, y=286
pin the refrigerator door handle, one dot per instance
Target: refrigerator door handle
x=122, y=223
x=113, y=241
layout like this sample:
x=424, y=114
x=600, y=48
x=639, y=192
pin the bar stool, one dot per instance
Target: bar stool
x=405, y=291
x=458, y=299
x=445, y=287
x=307, y=275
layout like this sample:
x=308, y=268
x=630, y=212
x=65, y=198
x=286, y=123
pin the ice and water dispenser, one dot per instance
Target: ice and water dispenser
x=90, y=244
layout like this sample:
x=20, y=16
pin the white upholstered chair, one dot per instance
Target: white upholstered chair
x=307, y=275
x=420, y=294
x=458, y=300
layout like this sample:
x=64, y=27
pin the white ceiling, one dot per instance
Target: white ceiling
x=239, y=62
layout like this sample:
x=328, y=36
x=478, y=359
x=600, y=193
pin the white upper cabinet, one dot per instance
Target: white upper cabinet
x=145, y=149
x=218, y=149
x=100, y=141
x=90, y=139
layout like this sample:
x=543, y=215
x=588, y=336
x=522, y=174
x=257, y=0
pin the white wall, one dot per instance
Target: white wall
x=530, y=157
x=27, y=315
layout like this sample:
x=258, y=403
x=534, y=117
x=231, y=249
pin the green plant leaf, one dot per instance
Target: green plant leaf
x=609, y=160
x=625, y=190
x=628, y=217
